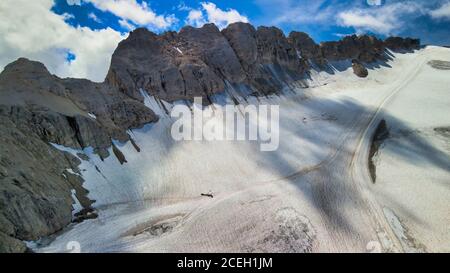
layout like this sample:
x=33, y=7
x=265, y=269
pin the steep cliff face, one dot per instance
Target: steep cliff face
x=174, y=66
x=37, y=181
x=360, y=50
x=200, y=61
x=307, y=48
x=35, y=187
x=71, y=112
x=402, y=44
x=266, y=55
x=363, y=48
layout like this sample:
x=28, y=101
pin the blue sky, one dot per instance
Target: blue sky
x=322, y=19
x=75, y=38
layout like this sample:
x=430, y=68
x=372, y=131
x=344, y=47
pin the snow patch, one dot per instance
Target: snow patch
x=179, y=50
x=153, y=103
x=71, y=172
x=76, y=206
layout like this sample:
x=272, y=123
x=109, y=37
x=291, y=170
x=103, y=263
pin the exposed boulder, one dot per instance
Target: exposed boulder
x=438, y=64
x=359, y=69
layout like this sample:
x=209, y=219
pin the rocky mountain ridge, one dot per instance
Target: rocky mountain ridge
x=201, y=61
x=37, y=108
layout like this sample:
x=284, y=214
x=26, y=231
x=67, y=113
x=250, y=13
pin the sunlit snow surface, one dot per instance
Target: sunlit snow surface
x=153, y=203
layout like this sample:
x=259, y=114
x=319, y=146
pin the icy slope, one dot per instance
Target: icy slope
x=413, y=172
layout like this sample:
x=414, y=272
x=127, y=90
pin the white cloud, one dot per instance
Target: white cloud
x=68, y=16
x=126, y=24
x=134, y=13
x=210, y=13
x=74, y=2
x=94, y=17
x=195, y=18
x=30, y=29
x=277, y=12
x=364, y=21
x=220, y=17
x=385, y=20
x=441, y=13
x=183, y=7
x=374, y=2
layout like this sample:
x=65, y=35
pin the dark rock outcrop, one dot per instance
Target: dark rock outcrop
x=35, y=198
x=242, y=38
x=274, y=48
x=359, y=69
x=378, y=138
x=119, y=155
x=307, y=48
x=402, y=44
x=213, y=49
x=440, y=65
x=363, y=48
x=10, y=244
x=360, y=49
x=267, y=57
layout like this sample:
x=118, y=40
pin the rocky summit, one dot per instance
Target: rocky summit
x=39, y=110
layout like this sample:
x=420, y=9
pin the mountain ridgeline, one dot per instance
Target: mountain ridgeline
x=39, y=110
x=202, y=61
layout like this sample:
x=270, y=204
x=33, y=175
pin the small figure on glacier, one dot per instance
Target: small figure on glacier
x=209, y=194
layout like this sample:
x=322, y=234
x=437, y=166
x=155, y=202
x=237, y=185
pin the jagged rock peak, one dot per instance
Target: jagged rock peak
x=172, y=66
x=24, y=65
x=204, y=61
x=210, y=27
x=140, y=33
x=242, y=38
x=307, y=48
